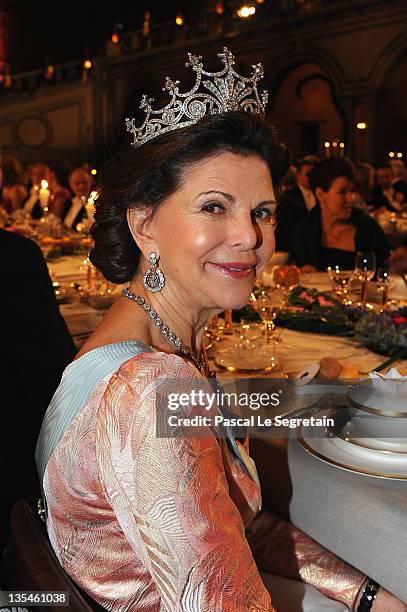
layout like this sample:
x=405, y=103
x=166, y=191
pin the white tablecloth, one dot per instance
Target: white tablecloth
x=68, y=269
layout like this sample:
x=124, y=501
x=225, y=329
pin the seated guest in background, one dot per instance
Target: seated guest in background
x=290, y=179
x=302, y=191
x=80, y=182
x=31, y=203
x=35, y=349
x=12, y=189
x=399, y=170
x=398, y=258
x=383, y=191
x=332, y=232
x=400, y=193
x=364, y=181
x=58, y=183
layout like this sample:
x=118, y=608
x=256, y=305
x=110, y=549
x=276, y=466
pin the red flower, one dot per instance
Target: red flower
x=304, y=296
x=399, y=320
x=323, y=302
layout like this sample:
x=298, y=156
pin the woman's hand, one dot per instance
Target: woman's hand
x=386, y=602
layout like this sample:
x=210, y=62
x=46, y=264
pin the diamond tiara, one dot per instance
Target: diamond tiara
x=223, y=91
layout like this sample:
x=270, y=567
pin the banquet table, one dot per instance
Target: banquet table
x=81, y=317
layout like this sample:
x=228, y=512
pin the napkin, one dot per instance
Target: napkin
x=392, y=383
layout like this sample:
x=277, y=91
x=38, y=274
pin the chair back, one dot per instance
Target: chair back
x=30, y=564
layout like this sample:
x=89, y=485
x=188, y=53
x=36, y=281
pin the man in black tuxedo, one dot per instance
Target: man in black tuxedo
x=35, y=349
x=31, y=202
x=302, y=192
x=383, y=193
x=74, y=211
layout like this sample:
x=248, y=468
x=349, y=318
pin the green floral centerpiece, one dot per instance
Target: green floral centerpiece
x=317, y=311
x=385, y=332
x=310, y=310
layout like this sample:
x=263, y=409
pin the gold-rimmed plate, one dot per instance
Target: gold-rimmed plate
x=246, y=361
x=357, y=459
x=351, y=434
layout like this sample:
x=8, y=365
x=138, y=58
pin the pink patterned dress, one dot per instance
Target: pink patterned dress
x=151, y=524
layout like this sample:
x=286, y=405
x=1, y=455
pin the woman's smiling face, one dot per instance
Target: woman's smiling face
x=216, y=232
x=339, y=198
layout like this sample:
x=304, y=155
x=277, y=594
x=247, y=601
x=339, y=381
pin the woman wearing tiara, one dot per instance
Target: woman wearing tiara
x=139, y=519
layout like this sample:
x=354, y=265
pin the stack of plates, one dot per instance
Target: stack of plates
x=369, y=436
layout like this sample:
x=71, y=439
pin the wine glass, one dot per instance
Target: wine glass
x=340, y=280
x=365, y=268
x=267, y=305
x=286, y=278
x=213, y=331
x=248, y=333
x=383, y=285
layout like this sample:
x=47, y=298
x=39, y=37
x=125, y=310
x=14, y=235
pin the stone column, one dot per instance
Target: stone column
x=369, y=104
x=347, y=106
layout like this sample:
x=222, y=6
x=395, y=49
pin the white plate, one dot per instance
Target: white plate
x=351, y=457
x=351, y=434
x=369, y=395
x=246, y=360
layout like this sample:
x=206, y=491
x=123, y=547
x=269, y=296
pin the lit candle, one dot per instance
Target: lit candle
x=44, y=194
x=327, y=149
x=90, y=205
x=342, y=148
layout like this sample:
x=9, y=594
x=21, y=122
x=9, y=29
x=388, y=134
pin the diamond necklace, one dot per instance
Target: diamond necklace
x=201, y=363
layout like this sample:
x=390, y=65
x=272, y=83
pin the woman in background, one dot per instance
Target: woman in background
x=364, y=181
x=58, y=183
x=12, y=190
x=334, y=230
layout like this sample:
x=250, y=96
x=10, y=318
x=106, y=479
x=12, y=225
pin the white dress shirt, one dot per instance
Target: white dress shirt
x=77, y=204
x=309, y=197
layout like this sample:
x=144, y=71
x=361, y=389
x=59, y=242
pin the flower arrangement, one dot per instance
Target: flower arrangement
x=317, y=311
x=312, y=310
x=385, y=332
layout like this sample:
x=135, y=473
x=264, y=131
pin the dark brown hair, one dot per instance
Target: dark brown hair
x=145, y=176
x=326, y=171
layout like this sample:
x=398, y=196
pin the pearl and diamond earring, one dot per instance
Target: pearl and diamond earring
x=154, y=279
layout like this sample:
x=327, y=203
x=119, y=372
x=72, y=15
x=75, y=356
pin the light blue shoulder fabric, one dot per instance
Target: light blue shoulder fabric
x=79, y=380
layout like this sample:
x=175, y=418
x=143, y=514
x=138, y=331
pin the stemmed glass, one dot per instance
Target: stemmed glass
x=383, y=285
x=340, y=280
x=267, y=304
x=365, y=268
x=213, y=331
x=248, y=334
